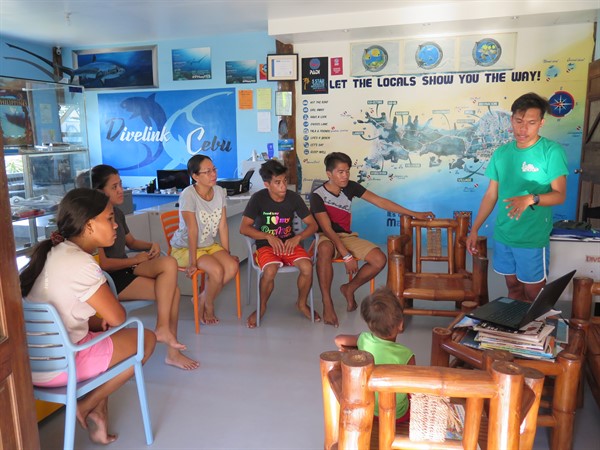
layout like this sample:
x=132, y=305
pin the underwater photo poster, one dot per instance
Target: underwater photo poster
x=191, y=63
x=116, y=68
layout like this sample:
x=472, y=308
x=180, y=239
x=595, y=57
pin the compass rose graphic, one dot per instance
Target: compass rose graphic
x=561, y=103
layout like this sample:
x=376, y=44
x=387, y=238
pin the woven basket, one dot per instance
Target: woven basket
x=428, y=417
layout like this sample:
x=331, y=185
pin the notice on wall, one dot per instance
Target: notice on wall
x=263, y=98
x=315, y=125
x=245, y=99
x=263, y=119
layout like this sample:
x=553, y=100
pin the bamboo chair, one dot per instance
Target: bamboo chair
x=584, y=288
x=350, y=380
x=455, y=284
x=170, y=223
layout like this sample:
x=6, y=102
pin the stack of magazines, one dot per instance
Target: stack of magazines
x=537, y=340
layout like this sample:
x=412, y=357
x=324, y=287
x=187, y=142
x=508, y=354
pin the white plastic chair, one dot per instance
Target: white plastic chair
x=254, y=267
x=50, y=350
x=129, y=305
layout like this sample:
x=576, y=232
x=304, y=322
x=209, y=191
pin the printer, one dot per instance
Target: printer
x=236, y=186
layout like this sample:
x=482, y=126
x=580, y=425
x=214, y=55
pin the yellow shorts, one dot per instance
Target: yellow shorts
x=359, y=248
x=182, y=255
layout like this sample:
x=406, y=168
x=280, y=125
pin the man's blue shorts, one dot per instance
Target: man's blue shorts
x=530, y=265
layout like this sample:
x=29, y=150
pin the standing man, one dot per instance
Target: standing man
x=331, y=203
x=528, y=176
x=268, y=219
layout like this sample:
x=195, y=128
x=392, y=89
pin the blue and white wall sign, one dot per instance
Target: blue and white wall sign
x=144, y=131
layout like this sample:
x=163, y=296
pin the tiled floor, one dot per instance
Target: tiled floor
x=258, y=389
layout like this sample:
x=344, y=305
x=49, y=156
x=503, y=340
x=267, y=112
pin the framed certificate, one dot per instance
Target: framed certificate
x=282, y=67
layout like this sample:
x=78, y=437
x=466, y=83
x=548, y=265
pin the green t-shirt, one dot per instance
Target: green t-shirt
x=520, y=172
x=387, y=352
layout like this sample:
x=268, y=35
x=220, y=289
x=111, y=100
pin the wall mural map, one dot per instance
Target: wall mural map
x=424, y=141
x=405, y=140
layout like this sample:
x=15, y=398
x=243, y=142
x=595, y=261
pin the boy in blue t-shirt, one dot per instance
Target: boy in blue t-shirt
x=383, y=313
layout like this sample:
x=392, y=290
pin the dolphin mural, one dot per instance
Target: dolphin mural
x=153, y=115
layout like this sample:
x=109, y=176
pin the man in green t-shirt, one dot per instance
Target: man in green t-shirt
x=527, y=177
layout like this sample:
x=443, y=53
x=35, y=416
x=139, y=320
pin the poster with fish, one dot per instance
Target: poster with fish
x=14, y=119
x=191, y=64
x=131, y=67
x=240, y=71
x=143, y=132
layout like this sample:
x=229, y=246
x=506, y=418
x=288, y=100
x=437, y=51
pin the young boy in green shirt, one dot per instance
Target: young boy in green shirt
x=383, y=313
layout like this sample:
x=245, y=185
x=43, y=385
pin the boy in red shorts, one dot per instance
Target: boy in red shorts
x=268, y=219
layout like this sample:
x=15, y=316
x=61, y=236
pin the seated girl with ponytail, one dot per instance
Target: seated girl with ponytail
x=63, y=273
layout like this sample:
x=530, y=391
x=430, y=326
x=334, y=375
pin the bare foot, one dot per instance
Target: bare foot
x=97, y=429
x=349, y=296
x=251, y=320
x=206, y=312
x=81, y=419
x=330, y=317
x=305, y=309
x=166, y=337
x=178, y=359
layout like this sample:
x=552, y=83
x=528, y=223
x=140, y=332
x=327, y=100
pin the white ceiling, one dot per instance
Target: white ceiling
x=75, y=23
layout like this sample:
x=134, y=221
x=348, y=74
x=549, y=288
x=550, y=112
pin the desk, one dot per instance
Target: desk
x=566, y=255
x=143, y=200
x=145, y=224
x=566, y=370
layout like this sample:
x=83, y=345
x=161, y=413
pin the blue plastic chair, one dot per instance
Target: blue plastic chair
x=129, y=305
x=51, y=350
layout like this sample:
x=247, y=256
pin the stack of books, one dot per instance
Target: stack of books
x=537, y=340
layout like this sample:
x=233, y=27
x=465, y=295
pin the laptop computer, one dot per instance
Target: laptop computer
x=515, y=314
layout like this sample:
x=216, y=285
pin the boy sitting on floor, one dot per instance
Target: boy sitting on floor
x=268, y=219
x=383, y=313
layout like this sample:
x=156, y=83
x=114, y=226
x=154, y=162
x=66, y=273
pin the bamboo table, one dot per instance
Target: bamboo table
x=566, y=370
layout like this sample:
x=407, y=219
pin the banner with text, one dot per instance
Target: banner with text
x=143, y=132
x=424, y=141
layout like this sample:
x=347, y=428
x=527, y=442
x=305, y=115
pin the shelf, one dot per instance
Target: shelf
x=45, y=152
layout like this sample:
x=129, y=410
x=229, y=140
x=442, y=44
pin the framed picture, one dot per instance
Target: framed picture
x=116, y=68
x=282, y=67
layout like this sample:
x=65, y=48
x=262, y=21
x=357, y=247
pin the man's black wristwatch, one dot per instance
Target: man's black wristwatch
x=536, y=199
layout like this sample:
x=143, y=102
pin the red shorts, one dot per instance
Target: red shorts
x=265, y=255
x=89, y=362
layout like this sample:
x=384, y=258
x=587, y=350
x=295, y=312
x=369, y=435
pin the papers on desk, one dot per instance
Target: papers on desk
x=538, y=340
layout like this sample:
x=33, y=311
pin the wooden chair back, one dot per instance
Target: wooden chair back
x=428, y=237
x=413, y=274
x=351, y=379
